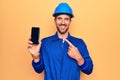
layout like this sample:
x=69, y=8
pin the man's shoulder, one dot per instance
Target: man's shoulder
x=49, y=38
x=77, y=41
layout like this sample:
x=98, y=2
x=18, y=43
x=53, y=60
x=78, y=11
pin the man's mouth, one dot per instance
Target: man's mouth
x=63, y=25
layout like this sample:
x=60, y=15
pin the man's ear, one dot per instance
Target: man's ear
x=55, y=18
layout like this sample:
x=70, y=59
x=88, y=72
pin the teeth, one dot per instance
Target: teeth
x=62, y=26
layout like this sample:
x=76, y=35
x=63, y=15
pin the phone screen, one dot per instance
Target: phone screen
x=35, y=35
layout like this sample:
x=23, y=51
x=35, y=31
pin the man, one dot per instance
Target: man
x=61, y=56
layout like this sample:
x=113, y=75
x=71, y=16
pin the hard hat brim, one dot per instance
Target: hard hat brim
x=56, y=14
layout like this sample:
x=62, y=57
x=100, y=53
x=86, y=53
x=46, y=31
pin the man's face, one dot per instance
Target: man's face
x=62, y=23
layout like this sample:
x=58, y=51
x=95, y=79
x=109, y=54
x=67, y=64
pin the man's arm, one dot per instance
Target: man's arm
x=87, y=66
x=38, y=65
x=82, y=57
x=35, y=50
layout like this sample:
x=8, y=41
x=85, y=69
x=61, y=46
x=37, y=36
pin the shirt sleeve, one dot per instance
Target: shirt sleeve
x=87, y=66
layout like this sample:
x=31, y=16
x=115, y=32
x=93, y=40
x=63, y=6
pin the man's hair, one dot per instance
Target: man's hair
x=62, y=13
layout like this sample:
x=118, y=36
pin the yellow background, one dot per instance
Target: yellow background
x=96, y=21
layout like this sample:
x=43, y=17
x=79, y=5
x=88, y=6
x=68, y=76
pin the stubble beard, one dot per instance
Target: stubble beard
x=61, y=31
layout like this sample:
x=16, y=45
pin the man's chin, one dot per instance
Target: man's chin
x=62, y=32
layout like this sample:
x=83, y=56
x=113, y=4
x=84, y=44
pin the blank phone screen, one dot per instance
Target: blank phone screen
x=35, y=35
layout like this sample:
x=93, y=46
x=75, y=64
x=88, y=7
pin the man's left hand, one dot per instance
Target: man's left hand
x=74, y=53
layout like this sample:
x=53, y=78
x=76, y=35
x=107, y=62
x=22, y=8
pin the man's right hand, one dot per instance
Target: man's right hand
x=34, y=49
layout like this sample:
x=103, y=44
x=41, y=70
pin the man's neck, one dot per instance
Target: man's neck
x=63, y=36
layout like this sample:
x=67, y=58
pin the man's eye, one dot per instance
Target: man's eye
x=67, y=19
x=59, y=18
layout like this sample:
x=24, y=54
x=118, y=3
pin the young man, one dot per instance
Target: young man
x=61, y=56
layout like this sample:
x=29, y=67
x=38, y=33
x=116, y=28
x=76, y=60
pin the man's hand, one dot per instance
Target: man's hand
x=74, y=53
x=34, y=49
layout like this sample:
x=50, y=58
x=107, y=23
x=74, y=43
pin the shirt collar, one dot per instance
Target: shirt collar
x=57, y=38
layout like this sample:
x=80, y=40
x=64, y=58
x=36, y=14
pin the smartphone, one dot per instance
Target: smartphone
x=35, y=31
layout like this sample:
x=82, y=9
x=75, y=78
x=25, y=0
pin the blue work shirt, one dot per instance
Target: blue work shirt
x=56, y=63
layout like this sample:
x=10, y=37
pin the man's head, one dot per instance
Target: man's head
x=63, y=14
x=62, y=23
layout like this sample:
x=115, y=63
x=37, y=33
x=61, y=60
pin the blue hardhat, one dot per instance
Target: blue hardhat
x=63, y=8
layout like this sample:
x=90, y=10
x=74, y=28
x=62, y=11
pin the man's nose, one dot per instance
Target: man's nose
x=63, y=21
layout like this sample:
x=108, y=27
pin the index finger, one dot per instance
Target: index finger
x=69, y=43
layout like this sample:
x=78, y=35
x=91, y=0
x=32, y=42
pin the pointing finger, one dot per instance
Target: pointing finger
x=69, y=43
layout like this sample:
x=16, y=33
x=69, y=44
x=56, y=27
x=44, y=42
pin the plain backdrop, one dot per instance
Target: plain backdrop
x=97, y=22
